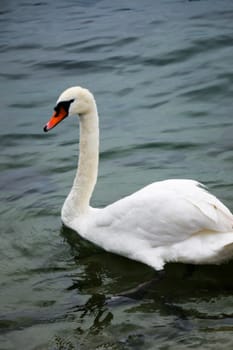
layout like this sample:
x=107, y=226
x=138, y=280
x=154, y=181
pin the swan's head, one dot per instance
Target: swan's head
x=73, y=101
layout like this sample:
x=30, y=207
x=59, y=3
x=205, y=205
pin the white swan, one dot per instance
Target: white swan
x=166, y=221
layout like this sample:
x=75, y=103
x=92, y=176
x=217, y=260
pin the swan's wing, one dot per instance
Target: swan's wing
x=165, y=213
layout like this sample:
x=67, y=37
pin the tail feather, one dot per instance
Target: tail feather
x=204, y=248
x=227, y=252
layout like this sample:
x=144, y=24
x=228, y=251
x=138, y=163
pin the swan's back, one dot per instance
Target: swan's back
x=168, y=211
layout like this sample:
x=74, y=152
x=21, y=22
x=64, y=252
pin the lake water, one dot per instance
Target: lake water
x=161, y=72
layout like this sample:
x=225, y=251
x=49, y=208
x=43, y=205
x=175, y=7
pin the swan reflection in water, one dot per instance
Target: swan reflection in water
x=103, y=278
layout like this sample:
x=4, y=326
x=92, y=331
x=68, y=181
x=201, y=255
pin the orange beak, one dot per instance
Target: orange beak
x=55, y=119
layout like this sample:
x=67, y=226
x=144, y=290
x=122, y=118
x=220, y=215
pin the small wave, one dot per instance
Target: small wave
x=81, y=66
x=14, y=76
x=20, y=47
x=122, y=151
x=202, y=93
x=8, y=140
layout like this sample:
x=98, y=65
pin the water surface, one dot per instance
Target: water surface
x=161, y=72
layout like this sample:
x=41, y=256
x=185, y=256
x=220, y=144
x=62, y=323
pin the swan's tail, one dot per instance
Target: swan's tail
x=219, y=248
x=204, y=248
x=226, y=253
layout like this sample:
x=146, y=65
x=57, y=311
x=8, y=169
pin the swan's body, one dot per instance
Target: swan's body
x=172, y=220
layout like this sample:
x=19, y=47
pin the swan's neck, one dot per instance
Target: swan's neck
x=78, y=200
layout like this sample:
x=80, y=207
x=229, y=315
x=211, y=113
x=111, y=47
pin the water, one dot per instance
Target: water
x=161, y=72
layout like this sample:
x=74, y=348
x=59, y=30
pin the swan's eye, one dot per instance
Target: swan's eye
x=64, y=105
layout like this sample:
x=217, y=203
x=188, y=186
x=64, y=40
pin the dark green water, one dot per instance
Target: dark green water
x=162, y=75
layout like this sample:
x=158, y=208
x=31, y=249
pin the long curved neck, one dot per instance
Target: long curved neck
x=78, y=200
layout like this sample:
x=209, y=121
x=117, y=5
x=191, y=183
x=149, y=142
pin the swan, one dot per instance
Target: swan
x=173, y=220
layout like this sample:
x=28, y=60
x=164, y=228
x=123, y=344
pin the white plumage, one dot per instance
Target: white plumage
x=172, y=220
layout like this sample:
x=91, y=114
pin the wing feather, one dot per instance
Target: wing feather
x=165, y=212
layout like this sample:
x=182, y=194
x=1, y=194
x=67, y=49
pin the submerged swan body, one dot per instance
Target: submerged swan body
x=166, y=221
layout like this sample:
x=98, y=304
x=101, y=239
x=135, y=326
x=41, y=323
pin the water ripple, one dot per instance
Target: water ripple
x=121, y=151
x=162, y=75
